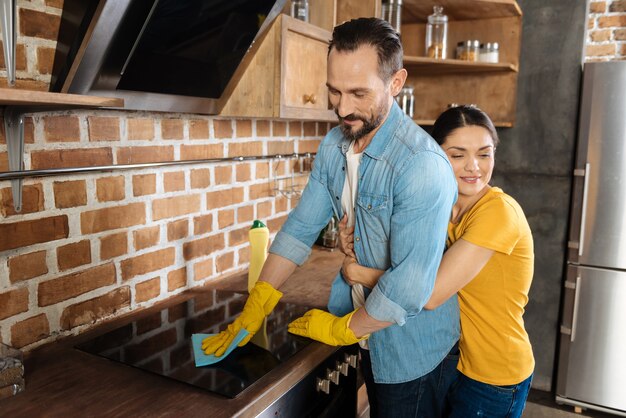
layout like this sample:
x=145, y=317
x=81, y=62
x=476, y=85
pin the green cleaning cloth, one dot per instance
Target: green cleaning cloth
x=202, y=359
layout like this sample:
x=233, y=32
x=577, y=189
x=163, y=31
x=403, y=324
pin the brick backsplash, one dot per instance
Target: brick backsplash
x=88, y=247
x=606, y=31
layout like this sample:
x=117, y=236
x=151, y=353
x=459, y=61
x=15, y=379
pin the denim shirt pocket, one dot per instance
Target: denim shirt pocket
x=375, y=216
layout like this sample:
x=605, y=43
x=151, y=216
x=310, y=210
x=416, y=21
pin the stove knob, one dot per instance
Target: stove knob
x=351, y=359
x=342, y=367
x=323, y=385
x=333, y=376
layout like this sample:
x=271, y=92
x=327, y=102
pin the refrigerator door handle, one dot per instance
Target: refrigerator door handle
x=575, y=309
x=583, y=220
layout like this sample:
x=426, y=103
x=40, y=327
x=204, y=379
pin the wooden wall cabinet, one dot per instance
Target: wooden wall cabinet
x=284, y=76
x=437, y=83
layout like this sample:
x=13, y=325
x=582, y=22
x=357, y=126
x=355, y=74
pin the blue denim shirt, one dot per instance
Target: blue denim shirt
x=405, y=195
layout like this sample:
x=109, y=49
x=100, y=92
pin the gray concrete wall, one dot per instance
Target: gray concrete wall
x=535, y=158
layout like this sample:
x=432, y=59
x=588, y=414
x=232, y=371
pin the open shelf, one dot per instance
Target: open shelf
x=438, y=66
x=417, y=10
x=431, y=122
x=16, y=102
x=439, y=82
x=16, y=97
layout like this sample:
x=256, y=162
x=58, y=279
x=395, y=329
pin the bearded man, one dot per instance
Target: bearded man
x=396, y=188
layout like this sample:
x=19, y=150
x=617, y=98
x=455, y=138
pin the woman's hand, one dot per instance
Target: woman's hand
x=346, y=238
x=347, y=270
x=354, y=273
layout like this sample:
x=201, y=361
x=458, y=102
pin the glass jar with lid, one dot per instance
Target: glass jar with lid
x=437, y=34
x=474, y=50
x=406, y=100
x=489, y=52
x=460, y=51
x=300, y=9
x=392, y=13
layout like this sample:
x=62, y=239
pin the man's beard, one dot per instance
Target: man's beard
x=368, y=124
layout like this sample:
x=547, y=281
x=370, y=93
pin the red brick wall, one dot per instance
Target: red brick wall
x=89, y=247
x=606, y=31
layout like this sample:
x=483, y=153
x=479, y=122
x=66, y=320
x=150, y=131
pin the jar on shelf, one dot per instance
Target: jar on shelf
x=474, y=51
x=460, y=51
x=392, y=13
x=437, y=34
x=489, y=52
x=406, y=100
x=300, y=9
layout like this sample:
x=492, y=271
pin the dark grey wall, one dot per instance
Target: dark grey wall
x=535, y=158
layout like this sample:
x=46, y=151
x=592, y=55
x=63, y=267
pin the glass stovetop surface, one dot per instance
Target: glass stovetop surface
x=161, y=343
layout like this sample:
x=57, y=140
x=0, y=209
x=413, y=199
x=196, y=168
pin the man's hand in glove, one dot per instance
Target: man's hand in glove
x=325, y=327
x=263, y=298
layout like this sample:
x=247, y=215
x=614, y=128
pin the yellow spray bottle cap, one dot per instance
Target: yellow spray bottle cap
x=257, y=224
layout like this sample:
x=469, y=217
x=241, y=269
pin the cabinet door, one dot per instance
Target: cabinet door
x=592, y=364
x=303, y=91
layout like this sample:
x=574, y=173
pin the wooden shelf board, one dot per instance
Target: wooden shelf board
x=16, y=97
x=431, y=122
x=438, y=66
x=418, y=10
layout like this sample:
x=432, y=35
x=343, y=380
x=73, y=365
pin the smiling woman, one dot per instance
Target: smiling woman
x=469, y=139
x=489, y=262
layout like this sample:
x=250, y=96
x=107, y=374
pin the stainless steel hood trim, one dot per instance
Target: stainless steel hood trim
x=96, y=45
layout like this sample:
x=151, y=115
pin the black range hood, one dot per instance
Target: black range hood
x=161, y=55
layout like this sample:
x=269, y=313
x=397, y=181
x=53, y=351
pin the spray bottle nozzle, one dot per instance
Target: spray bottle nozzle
x=257, y=224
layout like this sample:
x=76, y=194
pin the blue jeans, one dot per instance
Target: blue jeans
x=470, y=398
x=420, y=398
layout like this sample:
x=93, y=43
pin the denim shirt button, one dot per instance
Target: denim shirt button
x=357, y=239
x=369, y=206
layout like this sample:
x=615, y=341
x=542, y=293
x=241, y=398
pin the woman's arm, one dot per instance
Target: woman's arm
x=460, y=264
x=352, y=272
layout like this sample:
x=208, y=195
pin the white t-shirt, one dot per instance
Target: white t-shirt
x=348, y=202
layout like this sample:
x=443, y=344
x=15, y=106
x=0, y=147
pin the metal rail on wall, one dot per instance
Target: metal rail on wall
x=22, y=174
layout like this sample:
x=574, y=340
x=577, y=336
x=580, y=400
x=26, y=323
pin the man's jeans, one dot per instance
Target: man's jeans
x=423, y=397
x=470, y=398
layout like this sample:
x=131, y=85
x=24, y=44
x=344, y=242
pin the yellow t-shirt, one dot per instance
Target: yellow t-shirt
x=494, y=345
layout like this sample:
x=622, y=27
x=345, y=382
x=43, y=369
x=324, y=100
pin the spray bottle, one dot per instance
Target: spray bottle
x=259, y=236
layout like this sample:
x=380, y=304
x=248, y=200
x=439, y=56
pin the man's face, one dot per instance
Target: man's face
x=361, y=99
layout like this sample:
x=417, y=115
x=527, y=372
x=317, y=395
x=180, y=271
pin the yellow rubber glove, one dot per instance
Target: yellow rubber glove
x=325, y=327
x=262, y=300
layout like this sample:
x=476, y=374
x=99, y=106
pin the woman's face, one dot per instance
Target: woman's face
x=470, y=149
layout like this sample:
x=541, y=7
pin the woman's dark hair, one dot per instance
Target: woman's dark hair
x=353, y=34
x=458, y=117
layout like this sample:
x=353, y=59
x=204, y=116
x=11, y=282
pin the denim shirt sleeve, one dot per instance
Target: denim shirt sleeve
x=423, y=197
x=306, y=220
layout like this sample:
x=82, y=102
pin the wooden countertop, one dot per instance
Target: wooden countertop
x=63, y=381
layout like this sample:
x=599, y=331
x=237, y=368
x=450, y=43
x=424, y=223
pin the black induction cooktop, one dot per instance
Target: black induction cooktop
x=161, y=343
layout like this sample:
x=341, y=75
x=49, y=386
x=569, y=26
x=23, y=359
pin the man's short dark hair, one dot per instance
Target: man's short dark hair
x=378, y=33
